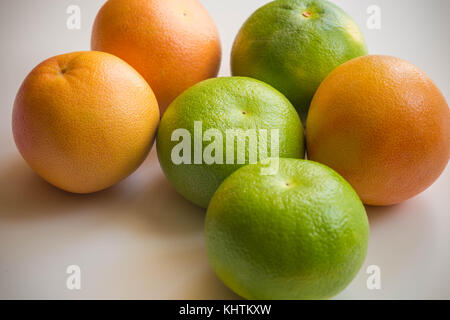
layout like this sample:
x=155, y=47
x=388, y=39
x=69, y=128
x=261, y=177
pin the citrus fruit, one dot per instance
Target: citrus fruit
x=172, y=43
x=223, y=124
x=301, y=233
x=382, y=124
x=84, y=120
x=294, y=44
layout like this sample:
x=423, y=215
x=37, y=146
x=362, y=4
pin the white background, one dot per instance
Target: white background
x=140, y=239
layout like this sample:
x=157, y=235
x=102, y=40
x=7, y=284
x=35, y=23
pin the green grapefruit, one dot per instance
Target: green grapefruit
x=294, y=44
x=185, y=144
x=301, y=233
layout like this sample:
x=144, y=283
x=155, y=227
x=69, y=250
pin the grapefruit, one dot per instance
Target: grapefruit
x=294, y=44
x=172, y=43
x=382, y=123
x=214, y=117
x=84, y=120
x=299, y=234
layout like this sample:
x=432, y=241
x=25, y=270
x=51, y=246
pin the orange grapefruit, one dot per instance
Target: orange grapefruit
x=85, y=120
x=172, y=43
x=383, y=124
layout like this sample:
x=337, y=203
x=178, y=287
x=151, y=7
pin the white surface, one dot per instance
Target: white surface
x=140, y=239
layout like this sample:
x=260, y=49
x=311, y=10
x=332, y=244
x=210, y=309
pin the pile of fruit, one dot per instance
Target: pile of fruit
x=376, y=130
